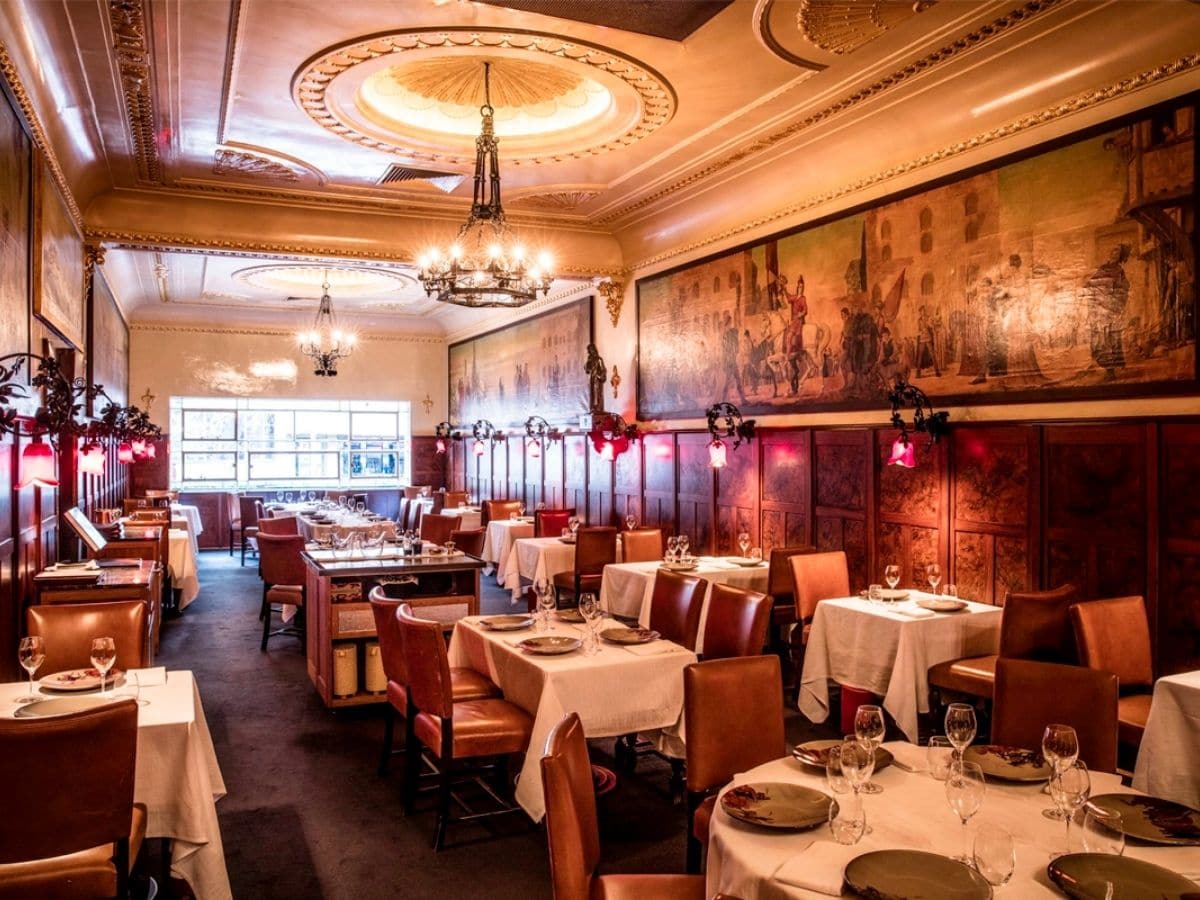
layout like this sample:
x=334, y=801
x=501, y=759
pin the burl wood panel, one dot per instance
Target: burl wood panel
x=909, y=504
x=658, y=453
x=785, y=488
x=737, y=498
x=627, y=484
x=552, y=474
x=696, y=491
x=1175, y=617
x=498, y=454
x=842, y=483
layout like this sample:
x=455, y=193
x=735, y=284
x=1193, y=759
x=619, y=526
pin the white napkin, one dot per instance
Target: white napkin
x=820, y=867
x=148, y=677
x=915, y=612
x=654, y=648
x=909, y=757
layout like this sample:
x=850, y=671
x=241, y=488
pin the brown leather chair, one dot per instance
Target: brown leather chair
x=78, y=830
x=782, y=590
x=233, y=512
x=1031, y=695
x=675, y=605
x=131, y=505
x=574, y=834
x=551, y=522
x=1114, y=636
x=154, y=515
x=416, y=512
x=733, y=715
x=465, y=683
x=498, y=509
x=68, y=629
x=815, y=577
x=437, y=528
x=249, y=508
x=595, y=548
x=454, y=499
x=413, y=491
x=283, y=578
x=279, y=525
x=469, y=540
x=402, y=513
x=453, y=733
x=737, y=622
x=642, y=545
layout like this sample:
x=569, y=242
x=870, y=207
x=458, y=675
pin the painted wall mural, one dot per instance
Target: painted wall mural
x=1068, y=273
x=532, y=366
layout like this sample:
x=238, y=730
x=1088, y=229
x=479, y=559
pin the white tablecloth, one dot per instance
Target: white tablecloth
x=468, y=518
x=627, y=588
x=878, y=648
x=534, y=558
x=615, y=692
x=1167, y=763
x=320, y=531
x=182, y=563
x=178, y=778
x=190, y=516
x=911, y=813
x=498, y=542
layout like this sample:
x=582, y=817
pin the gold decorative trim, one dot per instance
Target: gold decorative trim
x=613, y=292
x=970, y=41
x=131, y=48
x=239, y=163
x=276, y=332
x=555, y=201
x=314, y=77
x=842, y=26
x=615, y=381
x=1076, y=104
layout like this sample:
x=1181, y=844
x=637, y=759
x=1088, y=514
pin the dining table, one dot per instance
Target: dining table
x=619, y=690
x=321, y=529
x=886, y=648
x=469, y=517
x=498, y=542
x=187, y=516
x=1167, y=762
x=177, y=775
x=534, y=558
x=912, y=813
x=182, y=562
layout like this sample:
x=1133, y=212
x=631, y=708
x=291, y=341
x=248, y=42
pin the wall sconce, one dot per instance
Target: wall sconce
x=934, y=424
x=734, y=427
x=484, y=430
x=91, y=458
x=37, y=466
x=444, y=432
x=124, y=453
x=538, y=429
x=611, y=435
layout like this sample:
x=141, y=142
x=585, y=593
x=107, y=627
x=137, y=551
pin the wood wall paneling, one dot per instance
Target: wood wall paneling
x=697, y=492
x=737, y=497
x=553, y=474
x=575, y=473
x=785, y=460
x=842, y=489
x=658, y=467
x=1175, y=617
x=600, y=486
x=910, y=508
x=627, y=485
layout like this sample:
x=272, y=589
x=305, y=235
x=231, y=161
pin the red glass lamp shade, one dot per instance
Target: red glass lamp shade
x=37, y=466
x=716, y=453
x=440, y=445
x=125, y=453
x=607, y=451
x=535, y=448
x=139, y=448
x=91, y=459
x=479, y=448
x=904, y=454
x=150, y=451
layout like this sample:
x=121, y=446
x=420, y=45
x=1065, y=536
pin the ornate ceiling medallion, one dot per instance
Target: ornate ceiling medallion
x=842, y=26
x=306, y=280
x=415, y=94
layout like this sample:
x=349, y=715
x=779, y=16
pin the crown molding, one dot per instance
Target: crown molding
x=279, y=332
x=135, y=68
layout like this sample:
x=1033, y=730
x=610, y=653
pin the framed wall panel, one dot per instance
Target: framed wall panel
x=842, y=478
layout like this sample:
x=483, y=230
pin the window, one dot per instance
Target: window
x=927, y=284
x=252, y=443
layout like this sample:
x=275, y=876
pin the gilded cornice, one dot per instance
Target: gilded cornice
x=1078, y=103
x=277, y=332
x=131, y=50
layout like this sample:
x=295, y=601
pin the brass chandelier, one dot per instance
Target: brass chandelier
x=487, y=265
x=325, y=343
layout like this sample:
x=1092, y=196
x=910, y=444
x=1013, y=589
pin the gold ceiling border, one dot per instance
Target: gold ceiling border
x=131, y=50
x=276, y=332
x=969, y=41
x=1078, y=103
x=843, y=26
x=315, y=75
x=243, y=164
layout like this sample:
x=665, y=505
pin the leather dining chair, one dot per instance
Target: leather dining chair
x=233, y=512
x=733, y=716
x=413, y=491
x=782, y=588
x=574, y=833
x=454, y=499
x=815, y=577
x=131, y=505
x=249, y=507
x=78, y=832
x=595, y=548
x=1113, y=635
x=551, y=522
x=279, y=525
x=465, y=683
x=642, y=545
x=469, y=541
x=437, y=528
x=1031, y=695
x=497, y=509
x=676, y=602
x=455, y=734
x=283, y=578
x=737, y=622
x=402, y=513
x=416, y=512
x=68, y=630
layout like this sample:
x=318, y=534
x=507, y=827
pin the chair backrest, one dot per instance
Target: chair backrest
x=733, y=715
x=248, y=510
x=426, y=663
x=642, y=545
x=279, y=558
x=571, y=825
x=130, y=505
x=595, y=548
x=675, y=605
x=151, y=516
x=817, y=577
x=437, y=528
x=1114, y=636
x=498, y=509
x=68, y=629
x=413, y=491
x=402, y=512
x=781, y=585
x=469, y=540
x=737, y=622
x=260, y=510
x=387, y=628
x=279, y=525
x=454, y=499
x=360, y=498
x=233, y=509
x=551, y=522
x=74, y=802
x=1030, y=695
x=416, y=511
x=1037, y=625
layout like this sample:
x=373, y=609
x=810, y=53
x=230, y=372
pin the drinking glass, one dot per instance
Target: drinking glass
x=141, y=504
x=630, y=522
x=964, y=791
x=448, y=546
x=589, y=608
x=951, y=591
x=287, y=498
x=342, y=501
x=133, y=680
x=869, y=728
x=891, y=574
x=540, y=505
x=960, y=726
x=360, y=507
x=995, y=856
x=672, y=549
x=1069, y=789
x=744, y=542
x=521, y=509
x=1102, y=831
x=573, y=523
x=104, y=654
x=1060, y=748
x=279, y=496
x=847, y=819
x=683, y=547
x=756, y=554
x=543, y=589
x=513, y=516
x=31, y=653
x=858, y=762
x=875, y=593
x=940, y=756
x=933, y=572
x=834, y=776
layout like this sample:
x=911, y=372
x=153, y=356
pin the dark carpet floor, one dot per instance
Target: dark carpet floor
x=306, y=815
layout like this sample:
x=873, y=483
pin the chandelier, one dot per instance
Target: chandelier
x=486, y=265
x=325, y=343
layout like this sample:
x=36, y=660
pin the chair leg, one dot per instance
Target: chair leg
x=389, y=728
x=694, y=850
x=243, y=548
x=412, y=765
x=443, y=814
x=266, y=620
x=121, y=862
x=678, y=779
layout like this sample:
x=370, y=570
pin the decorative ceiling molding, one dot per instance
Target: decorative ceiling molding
x=970, y=41
x=314, y=78
x=277, y=332
x=240, y=163
x=772, y=41
x=842, y=26
x=131, y=50
x=555, y=201
x=1078, y=103
x=41, y=140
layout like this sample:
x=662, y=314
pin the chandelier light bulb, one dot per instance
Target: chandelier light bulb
x=519, y=252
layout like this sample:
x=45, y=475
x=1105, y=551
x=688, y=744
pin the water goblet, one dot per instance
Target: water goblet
x=933, y=573
x=342, y=501
x=965, y=788
x=672, y=549
x=448, y=546
x=104, y=654
x=834, y=776
x=1102, y=831
x=543, y=590
x=858, y=762
x=683, y=546
x=960, y=726
x=1060, y=748
x=288, y=497
x=630, y=522
x=875, y=593
x=31, y=653
x=940, y=756
x=869, y=729
x=743, y=540
x=1069, y=789
x=589, y=608
x=891, y=574
x=540, y=505
x=521, y=510
x=360, y=507
x=513, y=516
x=995, y=857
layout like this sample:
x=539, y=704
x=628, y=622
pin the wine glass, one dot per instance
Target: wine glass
x=1060, y=748
x=683, y=547
x=995, y=856
x=960, y=726
x=847, y=819
x=360, y=507
x=543, y=590
x=858, y=762
x=288, y=497
x=31, y=653
x=940, y=756
x=630, y=522
x=1102, y=831
x=1069, y=789
x=834, y=776
x=743, y=540
x=672, y=549
x=891, y=574
x=279, y=496
x=342, y=501
x=104, y=654
x=869, y=729
x=964, y=791
x=521, y=509
x=933, y=572
x=589, y=608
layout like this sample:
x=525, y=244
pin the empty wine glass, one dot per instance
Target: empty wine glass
x=743, y=540
x=1069, y=789
x=940, y=756
x=995, y=856
x=834, y=776
x=869, y=728
x=543, y=590
x=589, y=608
x=279, y=496
x=950, y=591
x=847, y=819
x=960, y=726
x=1060, y=748
x=858, y=762
x=521, y=509
x=964, y=791
x=287, y=498
x=933, y=572
x=104, y=654
x=630, y=522
x=31, y=653
x=672, y=549
x=891, y=574
x=360, y=507
x=1102, y=830
x=756, y=554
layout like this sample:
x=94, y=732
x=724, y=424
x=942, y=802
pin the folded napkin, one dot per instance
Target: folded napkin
x=654, y=648
x=915, y=612
x=819, y=867
x=148, y=677
x=909, y=757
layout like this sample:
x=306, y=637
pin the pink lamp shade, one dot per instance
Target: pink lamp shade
x=478, y=448
x=125, y=454
x=440, y=446
x=535, y=448
x=139, y=448
x=91, y=459
x=607, y=453
x=716, y=453
x=37, y=466
x=150, y=451
x=904, y=454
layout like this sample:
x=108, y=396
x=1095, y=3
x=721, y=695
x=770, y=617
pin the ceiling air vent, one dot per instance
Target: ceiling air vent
x=443, y=181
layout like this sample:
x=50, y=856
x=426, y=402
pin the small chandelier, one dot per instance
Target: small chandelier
x=934, y=424
x=735, y=427
x=325, y=343
x=486, y=265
